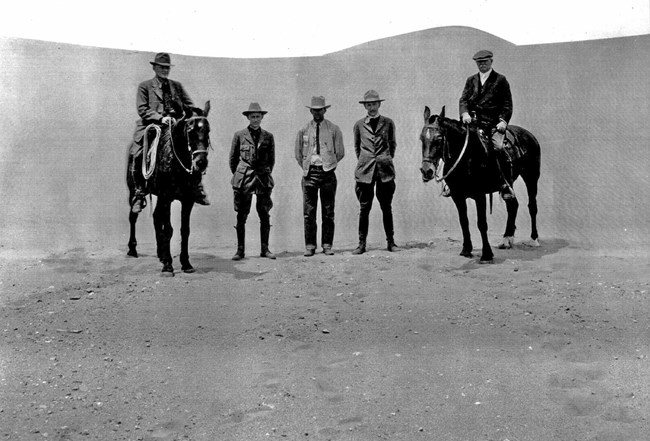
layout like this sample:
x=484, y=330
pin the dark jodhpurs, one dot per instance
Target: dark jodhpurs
x=325, y=182
x=263, y=205
x=365, y=194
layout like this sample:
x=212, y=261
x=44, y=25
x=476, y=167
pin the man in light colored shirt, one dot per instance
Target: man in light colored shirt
x=487, y=98
x=319, y=148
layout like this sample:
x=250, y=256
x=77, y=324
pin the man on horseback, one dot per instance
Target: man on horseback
x=487, y=100
x=155, y=102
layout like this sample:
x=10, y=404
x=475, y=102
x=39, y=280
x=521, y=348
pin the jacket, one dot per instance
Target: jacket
x=491, y=102
x=252, y=164
x=374, y=150
x=149, y=103
x=331, y=145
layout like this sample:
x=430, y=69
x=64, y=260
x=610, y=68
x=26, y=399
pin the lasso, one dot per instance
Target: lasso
x=150, y=153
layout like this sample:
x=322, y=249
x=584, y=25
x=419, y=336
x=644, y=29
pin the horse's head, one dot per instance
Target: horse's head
x=433, y=139
x=196, y=131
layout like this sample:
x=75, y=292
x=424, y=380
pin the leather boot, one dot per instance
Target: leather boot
x=264, y=238
x=363, y=233
x=241, y=237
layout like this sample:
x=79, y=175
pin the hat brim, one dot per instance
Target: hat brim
x=370, y=101
x=319, y=107
x=248, y=112
x=153, y=63
x=482, y=58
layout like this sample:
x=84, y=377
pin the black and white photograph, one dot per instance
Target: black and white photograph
x=334, y=221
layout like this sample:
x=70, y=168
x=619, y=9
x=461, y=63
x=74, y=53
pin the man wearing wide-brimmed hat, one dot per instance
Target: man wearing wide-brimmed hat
x=319, y=148
x=252, y=157
x=155, y=105
x=374, y=145
x=487, y=99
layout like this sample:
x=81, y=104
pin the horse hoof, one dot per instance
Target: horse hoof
x=534, y=243
x=188, y=269
x=132, y=253
x=485, y=261
x=507, y=243
x=466, y=254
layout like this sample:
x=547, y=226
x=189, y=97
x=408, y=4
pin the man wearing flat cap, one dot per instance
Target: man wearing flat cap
x=155, y=102
x=252, y=157
x=319, y=148
x=374, y=145
x=487, y=99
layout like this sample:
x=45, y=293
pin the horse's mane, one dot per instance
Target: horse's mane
x=453, y=124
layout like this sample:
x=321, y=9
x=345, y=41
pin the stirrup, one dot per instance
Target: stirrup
x=507, y=193
x=446, y=192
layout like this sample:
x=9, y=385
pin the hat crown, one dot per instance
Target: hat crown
x=482, y=55
x=162, y=59
x=371, y=96
x=318, y=102
x=254, y=108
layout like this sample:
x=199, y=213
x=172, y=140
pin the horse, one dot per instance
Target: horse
x=467, y=175
x=185, y=161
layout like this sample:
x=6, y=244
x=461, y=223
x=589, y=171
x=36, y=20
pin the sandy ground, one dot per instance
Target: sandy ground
x=547, y=343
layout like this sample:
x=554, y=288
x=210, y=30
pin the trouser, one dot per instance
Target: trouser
x=365, y=194
x=324, y=182
x=263, y=205
x=503, y=160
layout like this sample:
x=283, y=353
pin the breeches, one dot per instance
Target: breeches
x=383, y=190
x=324, y=182
x=263, y=205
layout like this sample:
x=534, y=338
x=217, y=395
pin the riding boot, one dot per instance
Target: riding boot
x=264, y=239
x=363, y=234
x=241, y=236
x=388, y=229
x=139, y=201
x=505, y=165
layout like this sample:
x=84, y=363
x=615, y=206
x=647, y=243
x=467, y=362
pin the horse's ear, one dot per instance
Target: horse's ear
x=427, y=113
x=442, y=112
x=206, y=109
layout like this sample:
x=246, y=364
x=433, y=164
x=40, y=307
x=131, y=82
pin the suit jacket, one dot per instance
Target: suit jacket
x=149, y=103
x=252, y=164
x=331, y=145
x=375, y=150
x=491, y=102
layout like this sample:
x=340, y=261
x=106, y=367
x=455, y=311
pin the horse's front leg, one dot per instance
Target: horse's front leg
x=512, y=206
x=531, y=188
x=461, y=206
x=133, y=243
x=487, y=256
x=186, y=211
x=164, y=232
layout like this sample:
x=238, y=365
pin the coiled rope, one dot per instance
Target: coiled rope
x=150, y=153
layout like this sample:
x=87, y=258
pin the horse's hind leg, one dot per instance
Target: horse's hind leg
x=461, y=206
x=512, y=206
x=531, y=187
x=133, y=243
x=186, y=211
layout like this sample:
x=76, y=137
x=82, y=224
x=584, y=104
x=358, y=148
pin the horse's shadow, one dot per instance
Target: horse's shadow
x=519, y=252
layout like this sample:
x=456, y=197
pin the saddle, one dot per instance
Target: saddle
x=510, y=143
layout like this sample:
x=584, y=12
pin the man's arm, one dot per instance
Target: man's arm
x=298, y=148
x=392, y=143
x=339, y=148
x=357, y=140
x=234, y=153
x=506, y=111
x=144, y=106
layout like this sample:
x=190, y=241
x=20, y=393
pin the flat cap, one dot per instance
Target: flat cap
x=482, y=55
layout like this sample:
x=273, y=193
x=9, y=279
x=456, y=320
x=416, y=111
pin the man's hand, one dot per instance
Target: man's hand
x=466, y=118
x=501, y=127
x=167, y=120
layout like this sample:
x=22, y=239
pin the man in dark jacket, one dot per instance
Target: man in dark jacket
x=155, y=104
x=374, y=145
x=487, y=98
x=252, y=157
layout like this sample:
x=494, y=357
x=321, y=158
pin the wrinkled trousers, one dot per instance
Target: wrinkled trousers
x=323, y=182
x=365, y=194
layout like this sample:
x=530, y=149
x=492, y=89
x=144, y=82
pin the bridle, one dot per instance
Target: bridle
x=445, y=150
x=189, y=147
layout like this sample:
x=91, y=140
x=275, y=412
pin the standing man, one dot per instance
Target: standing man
x=374, y=145
x=487, y=98
x=319, y=148
x=252, y=157
x=155, y=105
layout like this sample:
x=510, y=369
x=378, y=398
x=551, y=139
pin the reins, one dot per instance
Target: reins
x=189, y=148
x=462, y=153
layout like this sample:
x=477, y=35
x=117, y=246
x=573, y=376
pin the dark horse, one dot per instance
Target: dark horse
x=185, y=161
x=467, y=174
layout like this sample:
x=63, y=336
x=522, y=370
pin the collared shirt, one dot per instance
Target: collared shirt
x=255, y=134
x=316, y=158
x=484, y=76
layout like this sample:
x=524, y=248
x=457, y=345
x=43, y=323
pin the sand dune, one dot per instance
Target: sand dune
x=69, y=113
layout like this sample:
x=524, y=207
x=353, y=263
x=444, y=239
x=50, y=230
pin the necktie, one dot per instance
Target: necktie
x=318, y=138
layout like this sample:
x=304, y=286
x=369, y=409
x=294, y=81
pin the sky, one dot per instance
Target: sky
x=279, y=28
